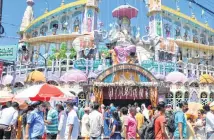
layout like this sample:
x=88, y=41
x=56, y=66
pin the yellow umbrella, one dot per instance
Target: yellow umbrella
x=36, y=76
x=206, y=79
x=193, y=109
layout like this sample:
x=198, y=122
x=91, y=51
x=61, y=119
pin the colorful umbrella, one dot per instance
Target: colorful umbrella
x=36, y=76
x=40, y=93
x=125, y=11
x=74, y=76
x=176, y=77
x=206, y=79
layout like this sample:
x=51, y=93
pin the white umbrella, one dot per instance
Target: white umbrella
x=42, y=92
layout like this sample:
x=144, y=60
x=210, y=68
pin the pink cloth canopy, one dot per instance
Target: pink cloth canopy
x=74, y=76
x=176, y=77
x=125, y=11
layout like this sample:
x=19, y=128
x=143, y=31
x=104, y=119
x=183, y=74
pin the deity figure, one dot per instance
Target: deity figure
x=89, y=21
x=195, y=39
x=167, y=30
x=76, y=24
x=186, y=34
x=159, y=28
x=54, y=29
x=177, y=32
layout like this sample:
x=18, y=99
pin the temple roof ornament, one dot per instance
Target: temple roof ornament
x=28, y=15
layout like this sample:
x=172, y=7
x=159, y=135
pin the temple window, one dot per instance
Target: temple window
x=169, y=98
x=204, y=100
x=186, y=96
x=178, y=98
x=211, y=96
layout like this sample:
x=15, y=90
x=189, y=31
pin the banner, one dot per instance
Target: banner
x=8, y=53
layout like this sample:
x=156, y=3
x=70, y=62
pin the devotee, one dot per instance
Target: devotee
x=180, y=121
x=96, y=123
x=85, y=124
x=200, y=125
x=35, y=127
x=131, y=125
x=210, y=122
x=116, y=126
x=123, y=119
x=62, y=122
x=8, y=120
x=51, y=122
x=106, y=130
x=160, y=123
x=145, y=112
x=72, y=124
x=140, y=120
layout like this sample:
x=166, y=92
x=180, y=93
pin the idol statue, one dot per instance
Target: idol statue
x=76, y=24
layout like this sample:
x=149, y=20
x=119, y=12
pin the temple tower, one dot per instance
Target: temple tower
x=28, y=15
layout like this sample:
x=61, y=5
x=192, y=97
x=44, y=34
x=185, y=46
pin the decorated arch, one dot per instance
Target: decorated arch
x=126, y=82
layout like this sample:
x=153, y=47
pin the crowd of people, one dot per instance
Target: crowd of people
x=42, y=120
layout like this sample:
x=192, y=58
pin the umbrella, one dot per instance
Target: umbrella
x=5, y=96
x=7, y=79
x=74, y=76
x=125, y=11
x=176, y=77
x=36, y=76
x=206, y=79
x=41, y=92
x=193, y=109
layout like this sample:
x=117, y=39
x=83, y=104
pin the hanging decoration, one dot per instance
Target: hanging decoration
x=127, y=83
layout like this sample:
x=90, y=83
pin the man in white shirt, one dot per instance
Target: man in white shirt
x=62, y=122
x=85, y=124
x=210, y=122
x=96, y=123
x=8, y=120
x=72, y=124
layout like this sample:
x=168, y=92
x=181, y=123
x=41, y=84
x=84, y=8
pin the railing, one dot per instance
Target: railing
x=86, y=65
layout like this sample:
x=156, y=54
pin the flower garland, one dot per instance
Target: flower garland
x=128, y=83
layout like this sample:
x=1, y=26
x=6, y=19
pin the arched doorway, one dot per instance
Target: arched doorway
x=204, y=100
x=178, y=98
x=126, y=83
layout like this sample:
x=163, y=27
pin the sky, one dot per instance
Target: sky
x=13, y=11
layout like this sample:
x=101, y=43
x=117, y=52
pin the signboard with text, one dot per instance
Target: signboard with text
x=8, y=53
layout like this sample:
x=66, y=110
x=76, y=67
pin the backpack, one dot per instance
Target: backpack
x=170, y=123
x=147, y=130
